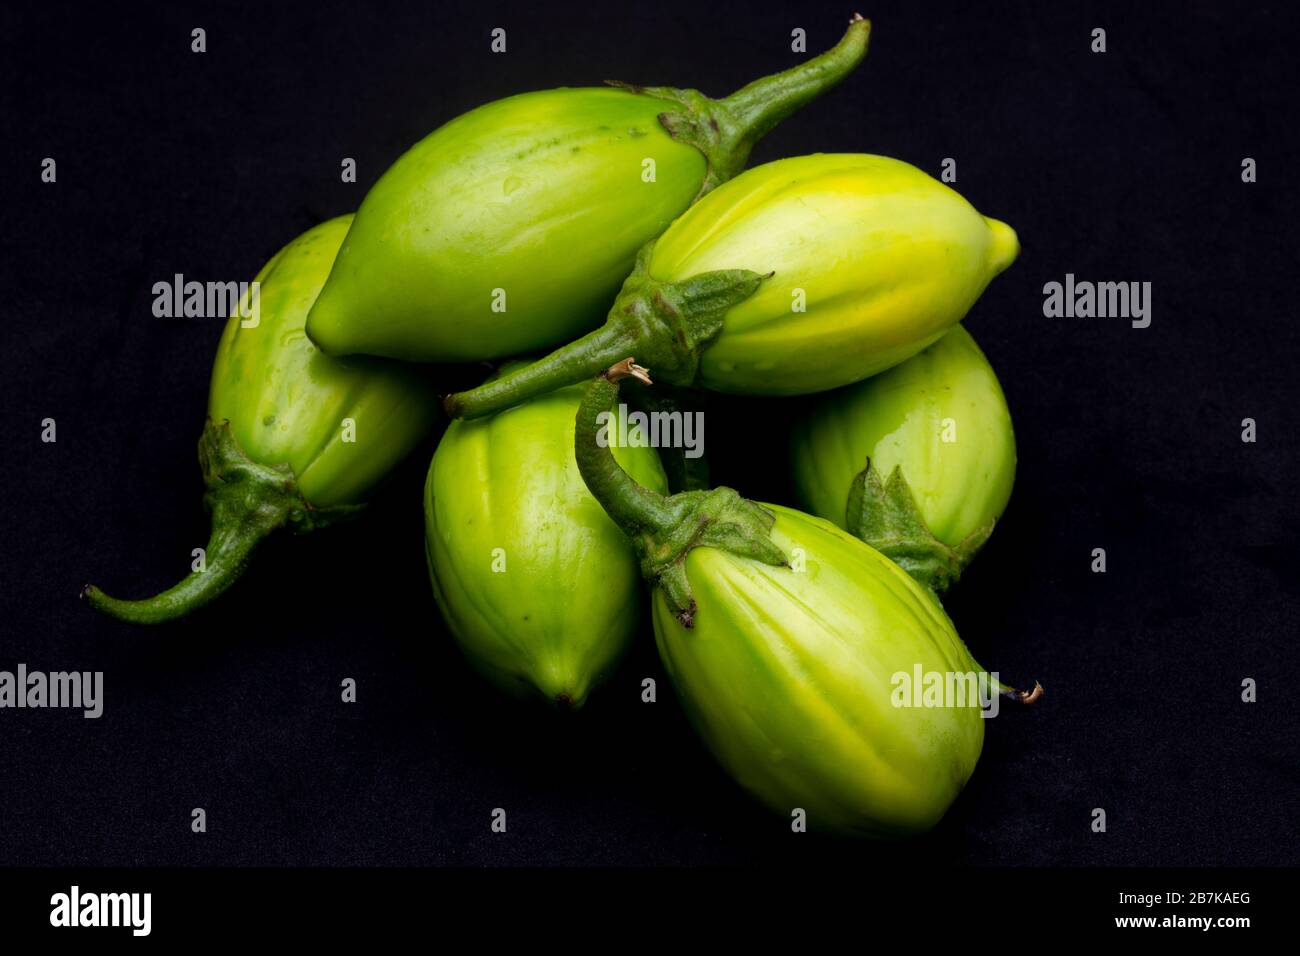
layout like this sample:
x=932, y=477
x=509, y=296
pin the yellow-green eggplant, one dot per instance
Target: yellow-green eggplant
x=917, y=461
x=293, y=438
x=786, y=639
x=509, y=229
x=797, y=276
x=538, y=586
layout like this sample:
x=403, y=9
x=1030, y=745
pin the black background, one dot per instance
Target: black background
x=1122, y=166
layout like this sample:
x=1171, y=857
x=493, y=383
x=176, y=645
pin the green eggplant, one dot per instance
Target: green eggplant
x=917, y=461
x=797, y=276
x=786, y=638
x=539, y=588
x=293, y=438
x=509, y=229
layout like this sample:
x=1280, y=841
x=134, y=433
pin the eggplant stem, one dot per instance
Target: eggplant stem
x=663, y=531
x=726, y=130
x=567, y=365
x=248, y=500
x=633, y=507
x=668, y=324
x=759, y=106
x=1026, y=697
x=234, y=538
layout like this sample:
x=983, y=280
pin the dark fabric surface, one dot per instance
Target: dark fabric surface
x=1122, y=166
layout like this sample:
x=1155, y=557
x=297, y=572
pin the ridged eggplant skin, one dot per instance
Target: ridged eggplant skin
x=900, y=418
x=886, y=256
x=287, y=402
x=540, y=195
x=786, y=675
x=567, y=605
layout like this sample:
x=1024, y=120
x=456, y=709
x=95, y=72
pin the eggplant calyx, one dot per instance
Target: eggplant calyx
x=885, y=515
x=672, y=323
x=247, y=500
x=726, y=130
x=664, y=530
x=668, y=324
x=719, y=518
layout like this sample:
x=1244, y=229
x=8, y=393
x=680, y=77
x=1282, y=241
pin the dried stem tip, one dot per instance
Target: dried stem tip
x=1029, y=697
x=628, y=369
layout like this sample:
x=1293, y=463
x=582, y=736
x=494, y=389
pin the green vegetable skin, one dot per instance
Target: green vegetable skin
x=273, y=450
x=797, y=276
x=553, y=610
x=787, y=671
x=542, y=197
x=941, y=420
x=786, y=676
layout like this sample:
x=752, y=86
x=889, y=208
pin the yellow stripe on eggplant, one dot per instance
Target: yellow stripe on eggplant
x=786, y=639
x=795, y=277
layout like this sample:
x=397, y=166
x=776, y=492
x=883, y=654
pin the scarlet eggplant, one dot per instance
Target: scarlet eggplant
x=798, y=276
x=538, y=586
x=938, y=427
x=785, y=638
x=453, y=255
x=293, y=438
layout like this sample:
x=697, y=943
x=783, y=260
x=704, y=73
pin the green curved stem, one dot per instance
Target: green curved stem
x=667, y=323
x=663, y=531
x=760, y=106
x=726, y=130
x=567, y=365
x=234, y=537
x=248, y=501
x=634, y=508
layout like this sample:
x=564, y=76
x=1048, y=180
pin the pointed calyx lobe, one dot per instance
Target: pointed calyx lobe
x=726, y=130
x=667, y=324
x=664, y=530
x=885, y=515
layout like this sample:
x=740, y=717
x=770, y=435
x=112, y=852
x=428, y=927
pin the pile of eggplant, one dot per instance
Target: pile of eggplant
x=609, y=247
